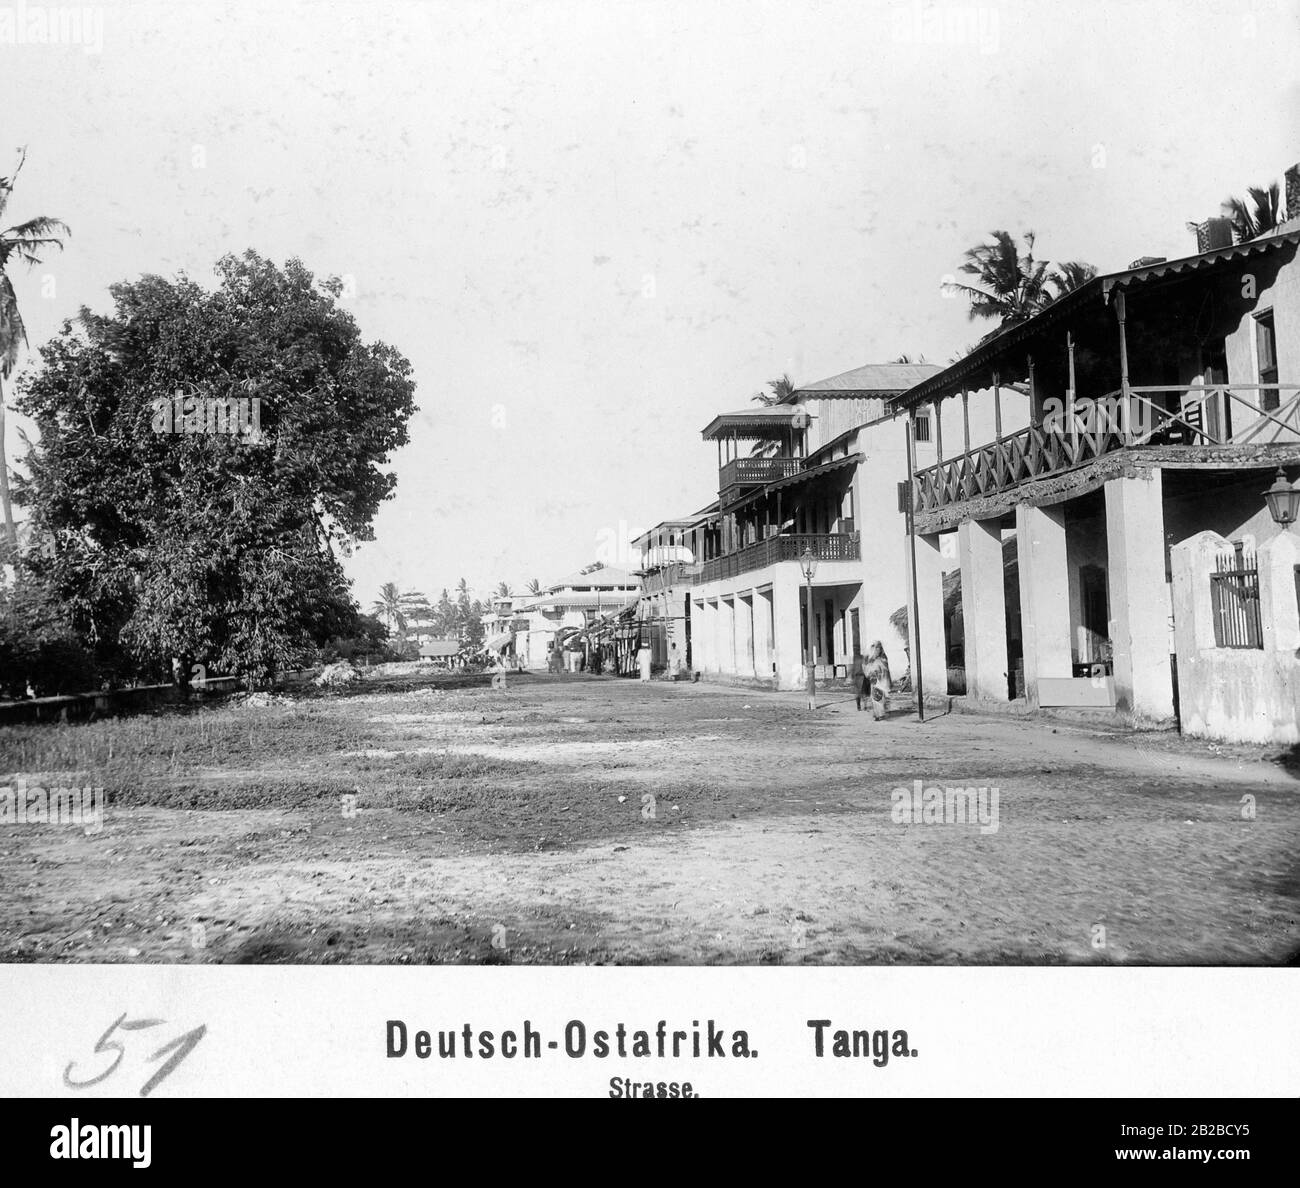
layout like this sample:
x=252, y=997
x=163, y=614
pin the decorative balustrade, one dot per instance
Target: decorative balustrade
x=756, y=472
x=836, y=546
x=1095, y=428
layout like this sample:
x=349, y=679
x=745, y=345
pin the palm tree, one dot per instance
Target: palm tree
x=780, y=389
x=909, y=359
x=1065, y=278
x=779, y=392
x=1258, y=214
x=1009, y=286
x=388, y=607
x=23, y=241
x=503, y=590
x=534, y=587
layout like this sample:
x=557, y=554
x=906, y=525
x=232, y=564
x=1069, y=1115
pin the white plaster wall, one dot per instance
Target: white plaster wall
x=1236, y=694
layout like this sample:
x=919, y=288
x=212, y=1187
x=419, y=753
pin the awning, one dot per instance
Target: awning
x=497, y=642
x=752, y=423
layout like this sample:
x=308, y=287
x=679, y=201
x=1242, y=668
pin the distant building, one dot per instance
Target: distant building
x=661, y=618
x=568, y=606
x=441, y=651
x=818, y=472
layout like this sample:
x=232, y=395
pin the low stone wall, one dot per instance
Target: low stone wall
x=79, y=707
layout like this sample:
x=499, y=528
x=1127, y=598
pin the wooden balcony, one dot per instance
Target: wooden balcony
x=756, y=472
x=1223, y=415
x=837, y=546
x=679, y=573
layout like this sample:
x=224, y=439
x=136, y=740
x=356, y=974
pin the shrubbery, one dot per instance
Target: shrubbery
x=39, y=648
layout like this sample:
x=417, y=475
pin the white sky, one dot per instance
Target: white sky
x=501, y=180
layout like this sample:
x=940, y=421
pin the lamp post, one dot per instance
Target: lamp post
x=1283, y=500
x=808, y=563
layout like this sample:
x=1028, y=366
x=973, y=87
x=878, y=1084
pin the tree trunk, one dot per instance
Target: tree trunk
x=182, y=669
x=10, y=553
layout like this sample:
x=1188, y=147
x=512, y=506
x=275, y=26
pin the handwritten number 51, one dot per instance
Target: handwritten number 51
x=179, y=1048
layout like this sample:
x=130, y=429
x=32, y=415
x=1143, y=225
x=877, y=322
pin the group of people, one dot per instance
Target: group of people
x=871, y=680
x=595, y=658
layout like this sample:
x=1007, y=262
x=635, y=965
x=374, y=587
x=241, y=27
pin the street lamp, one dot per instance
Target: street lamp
x=1283, y=500
x=808, y=563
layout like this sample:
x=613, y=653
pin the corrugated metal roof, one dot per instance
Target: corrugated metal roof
x=606, y=575
x=1152, y=272
x=439, y=647
x=871, y=379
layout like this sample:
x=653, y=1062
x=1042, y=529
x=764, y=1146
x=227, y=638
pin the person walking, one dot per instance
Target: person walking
x=643, y=658
x=857, y=676
x=876, y=673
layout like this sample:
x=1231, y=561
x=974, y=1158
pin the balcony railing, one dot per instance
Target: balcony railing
x=1110, y=424
x=837, y=546
x=756, y=472
x=680, y=573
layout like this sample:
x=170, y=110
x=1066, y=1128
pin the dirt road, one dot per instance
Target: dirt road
x=603, y=820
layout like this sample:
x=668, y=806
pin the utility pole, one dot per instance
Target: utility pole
x=911, y=576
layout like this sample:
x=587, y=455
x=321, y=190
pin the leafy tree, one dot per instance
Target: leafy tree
x=444, y=616
x=166, y=537
x=23, y=242
x=371, y=638
x=474, y=623
x=503, y=590
x=468, y=627
x=38, y=647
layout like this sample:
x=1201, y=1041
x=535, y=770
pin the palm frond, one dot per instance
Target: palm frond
x=1067, y=277
x=43, y=229
x=12, y=330
x=1257, y=214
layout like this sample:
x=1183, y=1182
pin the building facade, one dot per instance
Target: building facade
x=817, y=473
x=1163, y=400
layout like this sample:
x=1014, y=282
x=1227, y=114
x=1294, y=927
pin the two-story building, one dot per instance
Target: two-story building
x=663, y=611
x=1163, y=400
x=814, y=475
